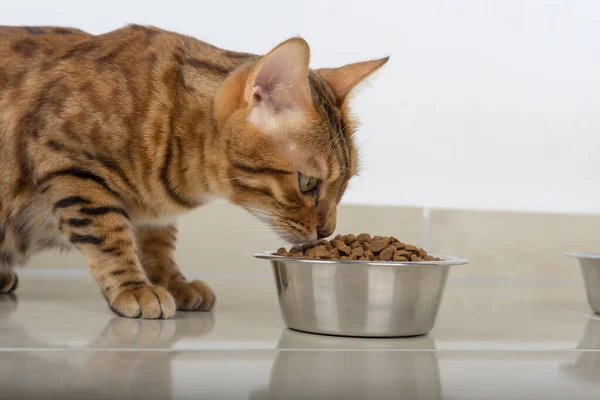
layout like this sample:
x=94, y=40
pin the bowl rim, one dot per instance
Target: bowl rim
x=446, y=260
x=583, y=255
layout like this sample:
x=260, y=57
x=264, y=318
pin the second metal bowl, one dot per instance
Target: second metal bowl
x=360, y=298
x=590, y=269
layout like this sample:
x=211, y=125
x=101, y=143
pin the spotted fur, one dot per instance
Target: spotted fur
x=103, y=137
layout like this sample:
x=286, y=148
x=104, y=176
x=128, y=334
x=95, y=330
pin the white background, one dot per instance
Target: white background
x=484, y=104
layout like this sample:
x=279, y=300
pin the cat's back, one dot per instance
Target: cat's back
x=23, y=47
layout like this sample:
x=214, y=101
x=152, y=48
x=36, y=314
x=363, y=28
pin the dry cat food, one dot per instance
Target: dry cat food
x=362, y=247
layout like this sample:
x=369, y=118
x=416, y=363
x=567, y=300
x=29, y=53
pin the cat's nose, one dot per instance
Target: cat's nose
x=322, y=233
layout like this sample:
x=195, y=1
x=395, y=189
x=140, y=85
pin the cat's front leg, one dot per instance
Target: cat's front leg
x=157, y=248
x=94, y=220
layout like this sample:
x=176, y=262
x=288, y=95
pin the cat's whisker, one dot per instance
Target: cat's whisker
x=235, y=232
x=256, y=228
x=263, y=215
x=259, y=212
x=330, y=149
x=227, y=180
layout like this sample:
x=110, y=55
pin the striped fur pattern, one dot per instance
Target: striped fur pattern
x=106, y=139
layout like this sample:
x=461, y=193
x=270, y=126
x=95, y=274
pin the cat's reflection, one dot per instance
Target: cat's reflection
x=19, y=368
x=587, y=365
x=140, y=374
x=118, y=364
x=327, y=367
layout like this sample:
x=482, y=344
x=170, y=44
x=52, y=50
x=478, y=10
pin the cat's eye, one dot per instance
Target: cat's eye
x=307, y=183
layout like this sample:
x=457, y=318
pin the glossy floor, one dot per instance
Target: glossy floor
x=494, y=339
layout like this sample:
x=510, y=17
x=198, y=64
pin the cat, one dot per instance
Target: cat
x=106, y=139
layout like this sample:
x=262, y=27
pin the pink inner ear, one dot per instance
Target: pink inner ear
x=282, y=68
x=282, y=76
x=279, y=87
x=274, y=73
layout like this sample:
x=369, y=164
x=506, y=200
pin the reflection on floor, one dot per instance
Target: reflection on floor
x=493, y=340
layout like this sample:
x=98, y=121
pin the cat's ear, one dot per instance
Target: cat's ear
x=343, y=79
x=278, y=85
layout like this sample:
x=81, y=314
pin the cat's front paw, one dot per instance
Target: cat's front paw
x=148, y=302
x=192, y=296
x=9, y=281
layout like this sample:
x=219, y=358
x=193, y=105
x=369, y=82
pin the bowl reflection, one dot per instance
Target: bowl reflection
x=328, y=367
x=587, y=365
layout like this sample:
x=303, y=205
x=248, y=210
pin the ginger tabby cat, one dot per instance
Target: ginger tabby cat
x=104, y=140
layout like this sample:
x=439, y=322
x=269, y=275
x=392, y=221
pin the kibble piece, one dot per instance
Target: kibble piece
x=363, y=258
x=429, y=258
x=349, y=239
x=343, y=249
x=324, y=242
x=377, y=245
x=369, y=254
x=399, y=245
x=411, y=248
x=321, y=251
x=377, y=238
x=403, y=253
x=281, y=250
x=366, y=245
x=415, y=258
x=393, y=239
x=386, y=240
x=345, y=258
x=363, y=237
x=297, y=255
x=422, y=252
x=400, y=258
x=354, y=245
x=335, y=243
x=338, y=237
x=359, y=251
x=387, y=253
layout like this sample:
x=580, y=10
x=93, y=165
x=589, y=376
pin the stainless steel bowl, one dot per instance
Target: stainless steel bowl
x=360, y=298
x=590, y=269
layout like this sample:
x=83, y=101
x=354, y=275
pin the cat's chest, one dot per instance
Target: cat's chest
x=165, y=214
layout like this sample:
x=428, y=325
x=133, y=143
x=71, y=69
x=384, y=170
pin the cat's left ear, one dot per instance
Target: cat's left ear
x=278, y=85
x=343, y=79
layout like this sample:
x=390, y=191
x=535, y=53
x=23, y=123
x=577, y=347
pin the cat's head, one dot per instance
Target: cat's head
x=288, y=139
